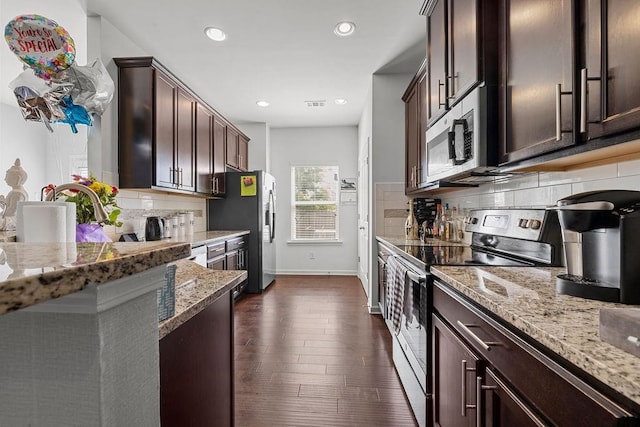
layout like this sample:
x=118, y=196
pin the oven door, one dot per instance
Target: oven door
x=413, y=329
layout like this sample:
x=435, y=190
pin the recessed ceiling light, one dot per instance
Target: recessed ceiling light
x=344, y=28
x=340, y=101
x=215, y=34
x=262, y=104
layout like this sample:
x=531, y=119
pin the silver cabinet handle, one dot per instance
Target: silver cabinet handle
x=463, y=399
x=479, y=389
x=559, y=94
x=440, y=103
x=485, y=345
x=583, y=100
x=180, y=175
x=506, y=390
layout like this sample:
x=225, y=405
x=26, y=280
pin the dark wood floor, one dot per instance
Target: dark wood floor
x=307, y=353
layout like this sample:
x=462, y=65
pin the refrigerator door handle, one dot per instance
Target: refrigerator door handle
x=272, y=222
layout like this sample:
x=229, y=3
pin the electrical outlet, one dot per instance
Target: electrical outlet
x=312, y=255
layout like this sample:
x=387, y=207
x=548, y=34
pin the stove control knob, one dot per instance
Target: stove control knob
x=474, y=220
x=536, y=224
x=523, y=223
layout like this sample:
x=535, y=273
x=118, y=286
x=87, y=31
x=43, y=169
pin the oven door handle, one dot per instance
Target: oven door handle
x=415, y=277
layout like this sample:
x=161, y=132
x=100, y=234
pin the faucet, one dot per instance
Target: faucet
x=99, y=211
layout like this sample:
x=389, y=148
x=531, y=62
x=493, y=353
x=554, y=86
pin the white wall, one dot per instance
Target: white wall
x=314, y=146
x=259, y=145
x=383, y=117
x=44, y=155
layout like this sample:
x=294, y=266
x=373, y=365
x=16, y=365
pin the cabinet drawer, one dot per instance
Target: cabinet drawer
x=237, y=243
x=560, y=396
x=217, y=263
x=215, y=249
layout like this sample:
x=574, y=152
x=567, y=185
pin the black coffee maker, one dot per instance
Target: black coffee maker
x=601, y=237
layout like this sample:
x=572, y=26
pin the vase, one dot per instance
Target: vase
x=91, y=233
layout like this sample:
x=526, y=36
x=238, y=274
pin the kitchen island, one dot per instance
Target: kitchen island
x=80, y=333
x=495, y=303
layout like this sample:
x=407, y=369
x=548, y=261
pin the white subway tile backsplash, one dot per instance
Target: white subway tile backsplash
x=629, y=168
x=588, y=174
x=517, y=183
x=541, y=197
x=622, y=183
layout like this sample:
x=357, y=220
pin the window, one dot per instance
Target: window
x=314, y=208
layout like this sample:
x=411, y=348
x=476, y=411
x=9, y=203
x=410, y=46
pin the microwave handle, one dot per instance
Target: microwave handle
x=452, y=139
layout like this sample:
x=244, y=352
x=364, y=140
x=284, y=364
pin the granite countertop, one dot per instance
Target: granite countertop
x=202, y=286
x=205, y=237
x=31, y=273
x=568, y=326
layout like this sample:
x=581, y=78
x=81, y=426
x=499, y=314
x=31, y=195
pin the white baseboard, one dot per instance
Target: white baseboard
x=316, y=273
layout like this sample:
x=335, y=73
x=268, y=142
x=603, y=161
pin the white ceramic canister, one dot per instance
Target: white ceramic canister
x=189, y=223
x=182, y=226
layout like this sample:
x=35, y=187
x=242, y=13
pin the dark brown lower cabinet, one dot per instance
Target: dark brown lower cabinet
x=196, y=369
x=485, y=374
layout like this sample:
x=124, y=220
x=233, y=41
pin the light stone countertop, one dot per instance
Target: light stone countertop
x=204, y=237
x=203, y=286
x=31, y=273
x=526, y=298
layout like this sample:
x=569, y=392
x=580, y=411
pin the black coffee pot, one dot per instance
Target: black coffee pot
x=154, y=228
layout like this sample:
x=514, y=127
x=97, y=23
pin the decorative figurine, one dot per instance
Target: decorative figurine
x=15, y=178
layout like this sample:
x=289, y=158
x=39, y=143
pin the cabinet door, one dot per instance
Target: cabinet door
x=165, y=105
x=536, y=105
x=463, y=48
x=185, y=147
x=411, y=139
x=423, y=119
x=610, y=79
x=436, y=59
x=232, y=147
x=196, y=369
x=501, y=406
x=219, y=150
x=455, y=369
x=243, y=153
x=232, y=260
x=219, y=263
x=204, y=154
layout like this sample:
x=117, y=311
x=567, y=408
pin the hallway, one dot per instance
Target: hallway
x=307, y=353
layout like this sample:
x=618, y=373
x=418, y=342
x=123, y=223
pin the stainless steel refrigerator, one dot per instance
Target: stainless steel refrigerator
x=249, y=204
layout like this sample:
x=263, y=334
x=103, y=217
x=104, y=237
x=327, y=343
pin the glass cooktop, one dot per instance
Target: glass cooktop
x=458, y=255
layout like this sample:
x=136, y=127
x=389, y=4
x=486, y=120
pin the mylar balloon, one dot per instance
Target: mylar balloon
x=92, y=86
x=75, y=115
x=40, y=43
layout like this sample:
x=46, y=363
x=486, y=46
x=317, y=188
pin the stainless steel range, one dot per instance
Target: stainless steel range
x=500, y=237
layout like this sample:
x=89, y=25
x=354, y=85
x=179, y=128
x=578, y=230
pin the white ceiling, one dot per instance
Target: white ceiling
x=282, y=51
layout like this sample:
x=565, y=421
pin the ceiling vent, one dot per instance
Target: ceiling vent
x=316, y=103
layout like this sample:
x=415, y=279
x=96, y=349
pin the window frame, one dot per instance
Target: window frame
x=294, y=238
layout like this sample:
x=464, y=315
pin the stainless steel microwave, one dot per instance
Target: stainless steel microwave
x=458, y=149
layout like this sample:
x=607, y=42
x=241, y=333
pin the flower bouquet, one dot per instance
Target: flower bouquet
x=87, y=229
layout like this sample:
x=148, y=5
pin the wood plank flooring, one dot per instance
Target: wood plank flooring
x=307, y=353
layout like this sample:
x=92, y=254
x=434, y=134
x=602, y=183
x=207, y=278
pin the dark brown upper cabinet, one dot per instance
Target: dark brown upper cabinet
x=219, y=150
x=609, y=82
x=210, y=149
x=204, y=149
x=237, y=150
x=168, y=138
x=415, y=99
x=537, y=84
x=461, y=50
x=437, y=59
